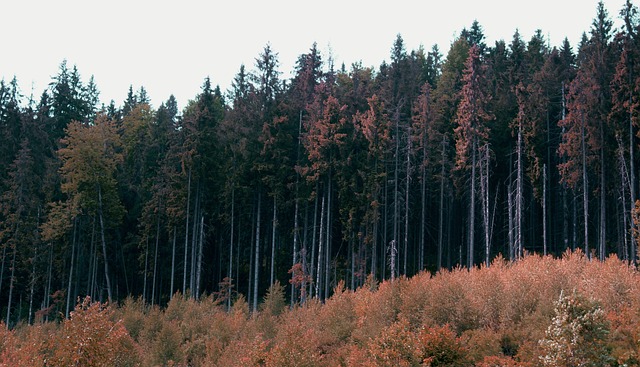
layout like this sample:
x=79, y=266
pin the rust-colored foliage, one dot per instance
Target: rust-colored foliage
x=91, y=338
x=502, y=315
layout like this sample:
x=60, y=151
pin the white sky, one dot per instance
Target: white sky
x=169, y=47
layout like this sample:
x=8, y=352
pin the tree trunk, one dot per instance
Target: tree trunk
x=484, y=188
x=186, y=236
x=603, y=204
x=233, y=208
x=146, y=271
x=320, y=245
x=11, y=281
x=327, y=256
x=155, y=262
x=313, y=240
x=544, y=208
x=274, y=223
x=104, y=246
x=256, y=269
x=632, y=181
x=199, y=258
x=194, y=242
x=406, y=200
x=472, y=206
x=585, y=191
x=519, y=195
x=173, y=262
x=73, y=257
x=441, y=219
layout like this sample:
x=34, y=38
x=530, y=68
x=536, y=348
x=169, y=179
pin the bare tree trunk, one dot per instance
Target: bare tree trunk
x=544, y=208
x=396, y=210
x=155, y=262
x=472, y=206
x=320, y=245
x=603, y=207
x=11, y=281
x=104, y=246
x=146, y=272
x=327, y=256
x=519, y=195
x=585, y=191
x=173, y=263
x=441, y=219
x=484, y=188
x=256, y=269
x=274, y=223
x=4, y=255
x=632, y=181
x=512, y=248
x=32, y=281
x=13, y=272
x=624, y=184
x=233, y=207
x=47, y=289
x=186, y=236
x=199, y=259
x=73, y=257
x=406, y=200
x=313, y=240
x=194, y=242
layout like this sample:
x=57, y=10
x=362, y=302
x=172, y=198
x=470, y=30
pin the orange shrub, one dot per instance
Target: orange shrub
x=90, y=338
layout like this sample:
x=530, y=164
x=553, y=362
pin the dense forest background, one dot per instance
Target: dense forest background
x=338, y=174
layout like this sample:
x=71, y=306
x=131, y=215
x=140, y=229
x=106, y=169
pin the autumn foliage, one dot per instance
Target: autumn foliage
x=538, y=311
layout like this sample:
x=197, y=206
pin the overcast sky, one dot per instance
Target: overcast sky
x=169, y=47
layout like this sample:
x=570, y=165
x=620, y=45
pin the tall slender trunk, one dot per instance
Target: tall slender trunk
x=406, y=200
x=313, y=238
x=484, y=188
x=396, y=209
x=441, y=219
x=4, y=255
x=186, y=236
x=32, y=283
x=544, y=208
x=194, y=241
x=624, y=184
x=233, y=217
x=585, y=191
x=256, y=269
x=602, y=238
x=519, y=195
x=92, y=259
x=198, y=280
x=632, y=181
x=104, y=246
x=327, y=256
x=11, y=282
x=146, y=272
x=295, y=259
x=423, y=211
x=274, y=223
x=173, y=263
x=155, y=262
x=296, y=228
x=13, y=273
x=73, y=257
x=47, y=289
x=472, y=206
x=512, y=248
x=320, y=246
x=565, y=194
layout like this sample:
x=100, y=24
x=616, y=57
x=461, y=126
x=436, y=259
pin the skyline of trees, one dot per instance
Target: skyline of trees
x=431, y=161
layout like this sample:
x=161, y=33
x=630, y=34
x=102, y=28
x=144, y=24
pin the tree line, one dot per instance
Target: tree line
x=336, y=174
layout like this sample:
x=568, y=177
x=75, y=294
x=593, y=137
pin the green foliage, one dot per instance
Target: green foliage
x=577, y=334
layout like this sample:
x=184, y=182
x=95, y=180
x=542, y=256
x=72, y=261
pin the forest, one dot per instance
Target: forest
x=337, y=178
